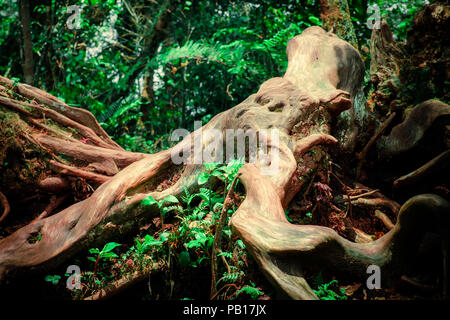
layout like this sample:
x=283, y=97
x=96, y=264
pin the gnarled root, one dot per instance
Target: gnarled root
x=281, y=248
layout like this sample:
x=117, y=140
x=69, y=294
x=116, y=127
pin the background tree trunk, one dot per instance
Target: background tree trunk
x=335, y=15
x=28, y=64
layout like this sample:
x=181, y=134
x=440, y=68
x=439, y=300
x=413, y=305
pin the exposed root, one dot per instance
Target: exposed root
x=362, y=195
x=385, y=219
x=55, y=202
x=87, y=152
x=72, y=171
x=361, y=236
x=362, y=155
x=377, y=202
x=54, y=184
x=77, y=114
x=6, y=207
x=126, y=282
x=276, y=244
x=434, y=166
x=304, y=144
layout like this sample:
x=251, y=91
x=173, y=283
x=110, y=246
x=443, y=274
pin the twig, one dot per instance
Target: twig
x=225, y=262
x=362, y=195
x=218, y=238
x=225, y=286
x=6, y=207
x=349, y=206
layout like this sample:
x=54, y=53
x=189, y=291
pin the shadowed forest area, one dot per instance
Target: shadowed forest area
x=224, y=150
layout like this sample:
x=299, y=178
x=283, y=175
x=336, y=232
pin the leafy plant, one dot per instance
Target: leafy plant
x=251, y=290
x=53, y=279
x=105, y=253
x=163, y=210
x=330, y=291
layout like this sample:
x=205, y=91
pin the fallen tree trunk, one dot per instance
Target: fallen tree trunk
x=323, y=75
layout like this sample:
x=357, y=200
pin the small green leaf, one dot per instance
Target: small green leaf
x=203, y=178
x=315, y=20
x=110, y=246
x=240, y=243
x=109, y=255
x=164, y=236
x=171, y=199
x=149, y=201
x=211, y=166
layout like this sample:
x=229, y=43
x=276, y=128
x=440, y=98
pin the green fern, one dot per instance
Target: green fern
x=193, y=50
x=232, y=276
x=255, y=293
x=228, y=255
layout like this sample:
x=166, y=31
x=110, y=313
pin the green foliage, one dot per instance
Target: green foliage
x=209, y=58
x=164, y=210
x=253, y=292
x=327, y=291
x=146, y=244
x=330, y=291
x=224, y=173
x=105, y=253
x=53, y=279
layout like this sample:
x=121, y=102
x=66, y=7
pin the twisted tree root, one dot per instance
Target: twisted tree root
x=281, y=248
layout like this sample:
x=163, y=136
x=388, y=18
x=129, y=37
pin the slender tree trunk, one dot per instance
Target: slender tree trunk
x=28, y=65
x=335, y=15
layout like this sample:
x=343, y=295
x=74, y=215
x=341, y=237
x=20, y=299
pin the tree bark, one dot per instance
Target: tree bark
x=335, y=15
x=28, y=64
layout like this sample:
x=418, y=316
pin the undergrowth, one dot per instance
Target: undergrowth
x=182, y=241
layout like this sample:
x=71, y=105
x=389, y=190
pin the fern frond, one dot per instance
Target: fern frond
x=252, y=291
